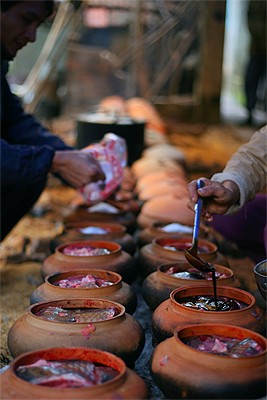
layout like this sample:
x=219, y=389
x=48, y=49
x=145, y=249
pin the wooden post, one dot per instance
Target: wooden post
x=208, y=86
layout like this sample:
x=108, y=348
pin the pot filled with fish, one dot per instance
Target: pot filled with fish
x=99, y=323
x=211, y=361
x=171, y=249
x=197, y=304
x=158, y=285
x=91, y=254
x=70, y=373
x=81, y=284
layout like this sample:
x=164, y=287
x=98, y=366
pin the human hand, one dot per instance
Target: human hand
x=218, y=197
x=77, y=167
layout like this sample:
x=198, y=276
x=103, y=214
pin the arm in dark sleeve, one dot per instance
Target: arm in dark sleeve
x=24, y=164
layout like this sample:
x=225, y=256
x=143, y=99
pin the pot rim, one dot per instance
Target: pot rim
x=182, y=238
x=257, y=271
x=42, y=304
x=202, y=329
x=121, y=377
x=161, y=272
x=113, y=247
x=209, y=289
x=49, y=278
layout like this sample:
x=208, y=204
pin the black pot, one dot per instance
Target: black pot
x=89, y=132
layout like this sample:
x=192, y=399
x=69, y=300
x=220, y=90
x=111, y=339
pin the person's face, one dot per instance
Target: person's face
x=19, y=25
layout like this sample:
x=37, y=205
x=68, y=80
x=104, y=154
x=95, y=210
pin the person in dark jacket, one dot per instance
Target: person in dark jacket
x=29, y=152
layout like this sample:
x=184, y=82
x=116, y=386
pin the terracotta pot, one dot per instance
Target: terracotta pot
x=145, y=165
x=152, y=178
x=165, y=208
x=171, y=314
x=183, y=372
x=119, y=291
x=121, y=334
x=117, y=260
x=113, y=104
x=173, y=186
x=83, y=213
x=114, y=232
x=157, y=229
x=164, y=151
x=138, y=107
x=158, y=286
x=152, y=255
x=126, y=385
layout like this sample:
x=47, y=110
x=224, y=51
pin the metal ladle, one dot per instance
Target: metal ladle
x=191, y=254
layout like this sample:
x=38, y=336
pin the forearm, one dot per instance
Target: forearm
x=247, y=169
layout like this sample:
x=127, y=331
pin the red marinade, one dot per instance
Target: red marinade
x=207, y=303
x=83, y=281
x=66, y=373
x=76, y=314
x=224, y=345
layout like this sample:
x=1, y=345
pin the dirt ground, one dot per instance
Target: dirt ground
x=206, y=150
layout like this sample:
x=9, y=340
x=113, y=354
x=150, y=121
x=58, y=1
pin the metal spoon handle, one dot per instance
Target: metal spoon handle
x=197, y=208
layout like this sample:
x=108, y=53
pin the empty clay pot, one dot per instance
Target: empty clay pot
x=158, y=285
x=171, y=249
x=120, y=334
x=117, y=260
x=169, y=186
x=165, y=208
x=152, y=178
x=170, y=314
x=126, y=385
x=181, y=371
x=78, y=231
x=144, y=165
x=119, y=291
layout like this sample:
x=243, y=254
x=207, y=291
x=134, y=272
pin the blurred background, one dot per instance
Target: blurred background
x=188, y=58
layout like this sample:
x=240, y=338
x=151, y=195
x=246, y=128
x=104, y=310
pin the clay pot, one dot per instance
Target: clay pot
x=121, y=334
x=114, y=232
x=171, y=314
x=127, y=385
x=164, y=151
x=173, y=186
x=152, y=255
x=153, y=178
x=183, y=372
x=157, y=229
x=102, y=214
x=158, y=286
x=138, y=107
x=113, y=105
x=145, y=165
x=165, y=208
x=117, y=260
x=119, y=291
